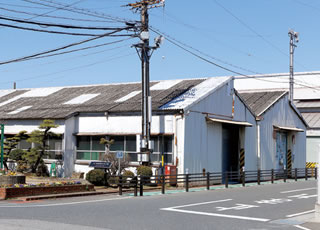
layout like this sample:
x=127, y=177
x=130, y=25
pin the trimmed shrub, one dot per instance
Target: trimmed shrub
x=96, y=177
x=128, y=173
x=42, y=170
x=144, y=171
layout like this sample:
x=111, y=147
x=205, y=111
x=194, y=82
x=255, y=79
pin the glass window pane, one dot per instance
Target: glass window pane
x=131, y=143
x=24, y=144
x=83, y=155
x=155, y=144
x=96, y=143
x=118, y=144
x=83, y=143
x=168, y=144
x=55, y=144
x=132, y=157
x=94, y=156
x=168, y=159
x=155, y=157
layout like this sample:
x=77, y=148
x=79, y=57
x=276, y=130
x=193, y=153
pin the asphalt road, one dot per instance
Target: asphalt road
x=251, y=208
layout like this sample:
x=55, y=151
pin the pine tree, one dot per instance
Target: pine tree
x=10, y=144
x=40, y=138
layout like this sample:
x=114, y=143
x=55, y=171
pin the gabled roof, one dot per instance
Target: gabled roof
x=259, y=102
x=61, y=102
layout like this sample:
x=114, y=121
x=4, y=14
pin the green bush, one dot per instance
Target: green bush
x=128, y=173
x=96, y=177
x=42, y=170
x=144, y=171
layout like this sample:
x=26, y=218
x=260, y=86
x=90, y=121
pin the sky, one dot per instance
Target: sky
x=244, y=36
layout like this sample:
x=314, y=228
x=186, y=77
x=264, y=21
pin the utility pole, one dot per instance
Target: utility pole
x=145, y=51
x=294, y=38
x=2, y=139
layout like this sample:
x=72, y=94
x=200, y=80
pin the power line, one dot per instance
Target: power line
x=113, y=57
x=78, y=10
x=57, y=49
x=250, y=28
x=217, y=59
x=80, y=49
x=47, y=31
x=24, y=21
x=51, y=16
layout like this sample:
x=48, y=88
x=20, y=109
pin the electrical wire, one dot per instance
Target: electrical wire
x=43, y=24
x=47, y=31
x=79, y=10
x=57, y=49
x=80, y=49
x=113, y=57
x=217, y=59
x=51, y=16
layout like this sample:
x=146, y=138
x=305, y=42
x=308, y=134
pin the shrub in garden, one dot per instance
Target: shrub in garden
x=96, y=177
x=42, y=170
x=128, y=173
x=144, y=171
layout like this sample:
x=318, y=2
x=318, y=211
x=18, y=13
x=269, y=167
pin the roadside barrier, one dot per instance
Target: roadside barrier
x=186, y=181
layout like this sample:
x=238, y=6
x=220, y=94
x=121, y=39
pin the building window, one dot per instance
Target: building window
x=89, y=148
x=54, y=148
x=127, y=144
x=162, y=145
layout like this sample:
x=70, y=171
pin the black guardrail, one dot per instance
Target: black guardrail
x=207, y=179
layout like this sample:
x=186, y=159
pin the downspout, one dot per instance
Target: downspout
x=258, y=146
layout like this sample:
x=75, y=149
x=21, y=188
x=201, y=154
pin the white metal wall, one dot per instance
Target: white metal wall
x=124, y=124
x=203, y=141
x=281, y=114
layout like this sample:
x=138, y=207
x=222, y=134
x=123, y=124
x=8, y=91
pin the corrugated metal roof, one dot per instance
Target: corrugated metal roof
x=305, y=87
x=313, y=119
x=307, y=104
x=50, y=102
x=196, y=93
x=259, y=102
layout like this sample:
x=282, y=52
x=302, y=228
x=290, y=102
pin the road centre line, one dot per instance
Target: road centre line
x=298, y=190
x=301, y=213
x=196, y=204
x=62, y=204
x=216, y=214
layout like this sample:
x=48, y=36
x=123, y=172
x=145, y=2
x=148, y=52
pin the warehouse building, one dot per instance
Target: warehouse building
x=197, y=124
x=306, y=97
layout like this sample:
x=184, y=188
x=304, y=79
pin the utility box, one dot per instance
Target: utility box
x=171, y=172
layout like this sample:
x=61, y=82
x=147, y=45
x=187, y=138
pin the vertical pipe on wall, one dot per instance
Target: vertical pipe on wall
x=258, y=147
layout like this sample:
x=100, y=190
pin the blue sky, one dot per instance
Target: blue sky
x=247, y=36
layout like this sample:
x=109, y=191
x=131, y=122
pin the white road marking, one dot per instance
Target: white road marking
x=303, y=228
x=216, y=214
x=301, y=213
x=298, y=190
x=237, y=207
x=303, y=196
x=62, y=204
x=196, y=204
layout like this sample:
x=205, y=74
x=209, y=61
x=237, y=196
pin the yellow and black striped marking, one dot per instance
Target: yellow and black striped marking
x=311, y=165
x=289, y=160
x=241, y=159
